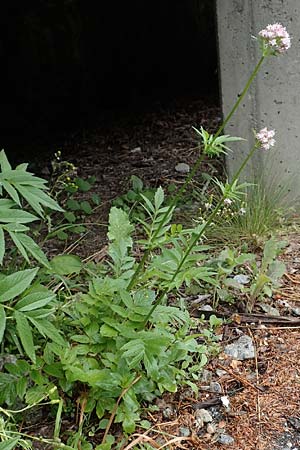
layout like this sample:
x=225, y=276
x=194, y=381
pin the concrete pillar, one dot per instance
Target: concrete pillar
x=274, y=98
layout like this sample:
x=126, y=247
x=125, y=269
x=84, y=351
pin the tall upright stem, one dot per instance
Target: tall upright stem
x=193, y=172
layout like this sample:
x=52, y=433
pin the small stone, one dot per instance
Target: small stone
x=225, y=439
x=215, y=387
x=203, y=415
x=221, y=372
x=241, y=349
x=184, y=431
x=241, y=278
x=136, y=150
x=206, y=376
x=182, y=168
x=211, y=428
x=168, y=413
x=296, y=311
x=225, y=401
x=206, y=308
x=269, y=309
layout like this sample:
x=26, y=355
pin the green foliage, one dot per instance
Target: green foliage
x=258, y=279
x=116, y=354
x=71, y=191
x=25, y=191
x=214, y=145
x=25, y=310
x=131, y=201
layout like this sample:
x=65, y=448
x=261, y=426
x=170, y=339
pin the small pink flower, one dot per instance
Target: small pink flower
x=266, y=138
x=275, y=38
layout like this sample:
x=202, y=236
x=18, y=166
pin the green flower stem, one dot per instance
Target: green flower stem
x=201, y=232
x=241, y=96
x=194, y=170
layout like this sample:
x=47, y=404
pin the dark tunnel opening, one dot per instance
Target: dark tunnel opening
x=65, y=63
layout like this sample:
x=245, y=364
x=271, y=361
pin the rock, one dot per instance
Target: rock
x=182, y=168
x=206, y=308
x=215, y=387
x=294, y=422
x=269, y=309
x=225, y=402
x=221, y=372
x=211, y=428
x=225, y=439
x=241, y=349
x=241, y=278
x=296, y=311
x=206, y=376
x=184, y=431
x=136, y=150
x=203, y=415
x=168, y=412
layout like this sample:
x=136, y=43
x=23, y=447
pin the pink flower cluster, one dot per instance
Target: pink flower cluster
x=276, y=38
x=266, y=138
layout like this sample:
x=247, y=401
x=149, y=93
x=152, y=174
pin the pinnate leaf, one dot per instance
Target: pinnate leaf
x=25, y=334
x=2, y=322
x=16, y=283
x=66, y=264
x=2, y=245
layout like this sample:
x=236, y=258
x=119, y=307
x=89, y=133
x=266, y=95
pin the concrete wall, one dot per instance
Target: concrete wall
x=274, y=99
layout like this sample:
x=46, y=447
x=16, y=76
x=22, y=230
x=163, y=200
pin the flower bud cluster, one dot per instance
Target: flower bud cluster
x=276, y=38
x=265, y=138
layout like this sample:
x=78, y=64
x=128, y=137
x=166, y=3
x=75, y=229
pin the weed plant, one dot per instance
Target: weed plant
x=107, y=340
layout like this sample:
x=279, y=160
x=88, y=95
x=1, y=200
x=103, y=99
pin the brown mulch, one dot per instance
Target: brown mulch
x=148, y=145
x=264, y=392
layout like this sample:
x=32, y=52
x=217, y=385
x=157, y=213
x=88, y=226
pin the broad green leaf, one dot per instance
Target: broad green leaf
x=270, y=252
x=4, y=164
x=31, y=199
x=159, y=197
x=66, y=264
x=11, y=192
x=21, y=386
x=95, y=199
x=22, y=177
x=2, y=322
x=19, y=245
x=83, y=185
x=25, y=335
x=108, y=331
x=2, y=245
x=16, y=283
x=15, y=215
x=35, y=300
x=133, y=352
x=73, y=204
x=86, y=207
x=62, y=236
x=70, y=217
x=10, y=444
x=119, y=226
x=36, y=197
x=36, y=394
x=22, y=166
x=33, y=248
x=276, y=270
x=15, y=227
x=7, y=203
x=47, y=329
